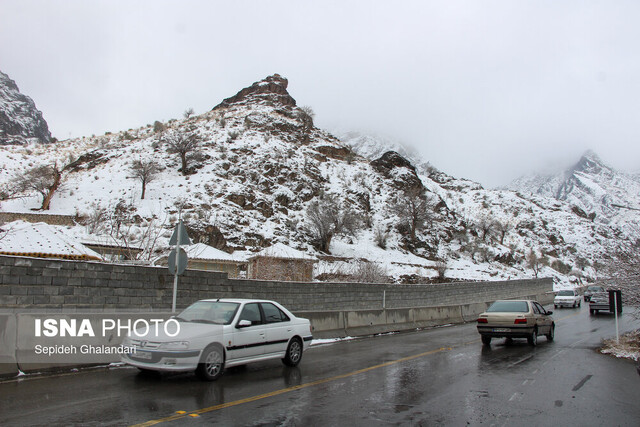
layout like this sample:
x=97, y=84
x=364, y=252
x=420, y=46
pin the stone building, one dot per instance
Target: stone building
x=281, y=262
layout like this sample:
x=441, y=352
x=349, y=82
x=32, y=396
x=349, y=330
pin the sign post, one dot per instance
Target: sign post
x=177, y=261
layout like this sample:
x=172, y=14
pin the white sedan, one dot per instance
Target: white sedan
x=211, y=335
x=567, y=298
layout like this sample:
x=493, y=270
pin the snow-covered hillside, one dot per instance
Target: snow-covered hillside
x=260, y=166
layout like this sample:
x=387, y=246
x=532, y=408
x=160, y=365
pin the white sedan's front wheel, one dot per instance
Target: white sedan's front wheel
x=211, y=366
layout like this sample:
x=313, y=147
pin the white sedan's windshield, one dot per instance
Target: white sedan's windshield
x=216, y=312
x=565, y=294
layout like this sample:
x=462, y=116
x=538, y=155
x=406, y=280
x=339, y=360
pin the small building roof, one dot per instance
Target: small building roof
x=206, y=252
x=282, y=251
x=43, y=241
x=108, y=242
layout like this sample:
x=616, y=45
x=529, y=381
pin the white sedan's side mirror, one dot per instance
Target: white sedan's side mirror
x=243, y=324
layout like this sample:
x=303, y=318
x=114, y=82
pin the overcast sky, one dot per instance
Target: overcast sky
x=486, y=90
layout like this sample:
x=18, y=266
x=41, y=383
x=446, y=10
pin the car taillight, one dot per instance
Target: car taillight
x=520, y=321
x=482, y=320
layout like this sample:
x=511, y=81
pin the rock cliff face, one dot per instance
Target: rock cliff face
x=20, y=120
x=271, y=90
x=400, y=171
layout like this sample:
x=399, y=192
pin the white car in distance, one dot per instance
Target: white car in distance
x=567, y=298
x=216, y=334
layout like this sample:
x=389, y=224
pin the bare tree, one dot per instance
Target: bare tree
x=187, y=146
x=536, y=263
x=327, y=218
x=96, y=219
x=414, y=210
x=306, y=115
x=188, y=113
x=9, y=191
x=484, y=227
x=501, y=228
x=136, y=236
x=43, y=179
x=145, y=171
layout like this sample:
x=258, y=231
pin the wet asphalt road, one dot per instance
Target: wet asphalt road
x=442, y=376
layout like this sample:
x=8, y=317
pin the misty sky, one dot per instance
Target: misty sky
x=486, y=90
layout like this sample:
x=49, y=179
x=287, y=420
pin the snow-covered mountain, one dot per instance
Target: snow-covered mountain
x=593, y=189
x=20, y=120
x=260, y=166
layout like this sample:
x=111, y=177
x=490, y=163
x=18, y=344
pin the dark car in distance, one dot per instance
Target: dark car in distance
x=592, y=290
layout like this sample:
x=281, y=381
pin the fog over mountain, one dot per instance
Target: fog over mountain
x=485, y=91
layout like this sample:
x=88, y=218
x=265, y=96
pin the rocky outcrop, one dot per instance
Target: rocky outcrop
x=20, y=120
x=271, y=90
x=400, y=171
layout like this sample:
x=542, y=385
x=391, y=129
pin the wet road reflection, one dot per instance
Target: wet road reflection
x=443, y=376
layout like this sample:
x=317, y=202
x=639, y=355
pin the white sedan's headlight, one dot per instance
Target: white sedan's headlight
x=174, y=345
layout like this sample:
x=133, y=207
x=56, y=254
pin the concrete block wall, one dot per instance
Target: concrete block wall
x=46, y=283
x=335, y=309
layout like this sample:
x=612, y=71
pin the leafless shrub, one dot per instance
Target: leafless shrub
x=233, y=135
x=95, y=220
x=380, y=236
x=158, y=126
x=136, y=236
x=441, y=268
x=369, y=272
x=188, y=113
x=327, y=218
x=414, y=210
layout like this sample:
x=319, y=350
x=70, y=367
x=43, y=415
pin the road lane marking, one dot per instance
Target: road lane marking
x=577, y=342
x=294, y=388
x=516, y=396
x=524, y=359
